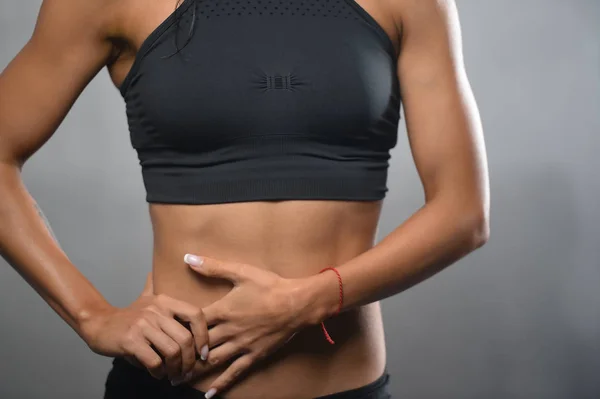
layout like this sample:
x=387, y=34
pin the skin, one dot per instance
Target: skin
x=256, y=280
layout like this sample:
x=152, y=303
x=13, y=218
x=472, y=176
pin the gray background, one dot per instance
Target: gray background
x=519, y=318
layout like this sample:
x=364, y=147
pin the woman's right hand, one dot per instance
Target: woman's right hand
x=71, y=43
x=148, y=332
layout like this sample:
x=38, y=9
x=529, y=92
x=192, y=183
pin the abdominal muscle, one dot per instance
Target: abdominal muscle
x=293, y=239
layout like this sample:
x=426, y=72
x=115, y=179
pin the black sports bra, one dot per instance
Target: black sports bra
x=266, y=100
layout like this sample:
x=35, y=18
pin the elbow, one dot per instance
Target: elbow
x=471, y=226
x=478, y=228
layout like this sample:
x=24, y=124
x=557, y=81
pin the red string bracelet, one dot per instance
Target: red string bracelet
x=340, y=304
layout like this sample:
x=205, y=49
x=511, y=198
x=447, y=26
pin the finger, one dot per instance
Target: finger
x=148, y=286
x=147, y=357
x=214, y=314
x=200, y=368
x=183, y=337
x=230, y=375
x=219, y=334
x=167, y=347
x=210, y=267
x=191, y=314
x=223, y=353
x=220, y=357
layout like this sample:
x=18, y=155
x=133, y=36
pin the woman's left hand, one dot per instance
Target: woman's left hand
x=259, y=315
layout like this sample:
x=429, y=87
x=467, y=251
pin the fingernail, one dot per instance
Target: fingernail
x=204, y=352
x=176, y=381
x=188, y=376
x=211, y=392
x=192, y=260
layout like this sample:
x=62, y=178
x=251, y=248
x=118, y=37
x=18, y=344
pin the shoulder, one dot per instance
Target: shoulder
x=99, y=18
x=423, y=15
x=94, y=26
x=409, y=9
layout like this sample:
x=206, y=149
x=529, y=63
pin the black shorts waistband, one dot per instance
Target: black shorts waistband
x=126, y=381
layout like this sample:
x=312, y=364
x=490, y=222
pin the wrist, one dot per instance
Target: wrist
x=88, y=320
x=319, y=297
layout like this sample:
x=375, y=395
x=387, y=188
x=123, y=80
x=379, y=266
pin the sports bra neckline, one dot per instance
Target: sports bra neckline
x=162, y=27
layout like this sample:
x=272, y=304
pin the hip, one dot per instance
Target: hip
x=306, y=367
x=126, y=382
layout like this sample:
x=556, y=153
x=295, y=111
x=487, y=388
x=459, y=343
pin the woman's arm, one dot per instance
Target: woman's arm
x=71, y=43
x=264, y=310
x=447, y=144
x=37, y=89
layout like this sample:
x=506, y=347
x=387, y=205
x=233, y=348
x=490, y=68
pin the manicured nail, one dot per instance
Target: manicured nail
x=188, y=376
x=193, y=260
x=204, y=352
x=176, y=381
x=211, y=392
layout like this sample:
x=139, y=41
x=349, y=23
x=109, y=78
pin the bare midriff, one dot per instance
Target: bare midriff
x=293, y=239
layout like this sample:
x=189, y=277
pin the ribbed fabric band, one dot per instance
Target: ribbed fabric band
x=194, y=189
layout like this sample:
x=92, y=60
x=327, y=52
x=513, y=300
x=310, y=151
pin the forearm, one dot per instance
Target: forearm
x=29, y=246
x=436, y=236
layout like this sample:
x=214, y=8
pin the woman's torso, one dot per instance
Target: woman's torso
x=294, y=239
x=291, y=238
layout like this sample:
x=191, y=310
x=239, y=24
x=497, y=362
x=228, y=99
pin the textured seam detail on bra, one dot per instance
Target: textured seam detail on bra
x=150, y=40
x=375, y=25
x=263, y=136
